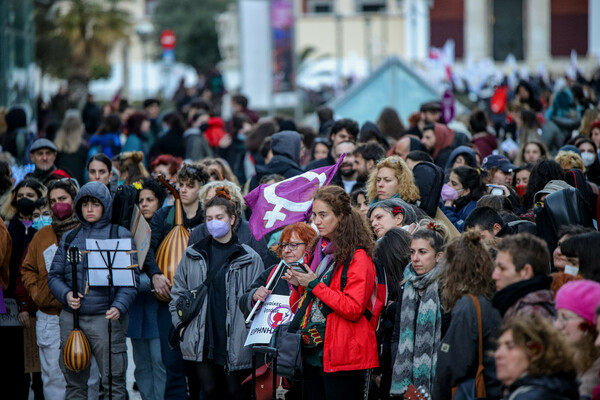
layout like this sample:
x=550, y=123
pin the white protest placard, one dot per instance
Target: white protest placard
x=273, y=312
x=11, y=318
x=49, y=256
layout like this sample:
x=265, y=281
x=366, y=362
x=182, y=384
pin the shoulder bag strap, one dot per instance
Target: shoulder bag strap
x=295, y=324
x=480, y=340
x=210, y=276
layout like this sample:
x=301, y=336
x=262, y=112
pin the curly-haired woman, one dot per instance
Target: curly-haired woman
x=338, y=341
x=392, y=178
x=534, y=361
x=469, y=268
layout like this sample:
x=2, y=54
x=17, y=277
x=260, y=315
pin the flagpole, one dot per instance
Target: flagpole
x=259, y=302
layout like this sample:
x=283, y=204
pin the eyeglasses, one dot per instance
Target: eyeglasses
x=293, y=245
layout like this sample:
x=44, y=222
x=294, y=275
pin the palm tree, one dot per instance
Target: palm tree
x=90, y=27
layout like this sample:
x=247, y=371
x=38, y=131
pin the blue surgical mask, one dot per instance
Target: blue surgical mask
x=217, y=228
x=41, y=221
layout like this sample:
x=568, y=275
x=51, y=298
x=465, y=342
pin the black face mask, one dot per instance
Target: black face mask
x=25, y=206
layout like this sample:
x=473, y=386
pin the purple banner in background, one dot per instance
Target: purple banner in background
x=282, y=31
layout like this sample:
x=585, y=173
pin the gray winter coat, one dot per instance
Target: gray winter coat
x=60, y=279
x=191, y=272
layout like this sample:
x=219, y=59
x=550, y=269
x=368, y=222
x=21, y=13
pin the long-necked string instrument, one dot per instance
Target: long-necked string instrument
x=77, y=353
x=173, y=246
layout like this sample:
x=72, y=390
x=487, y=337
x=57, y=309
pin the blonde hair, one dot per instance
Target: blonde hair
x=569, y=160
x=407, y=190
x=234, y=192
x=70, y=133
x=589, y=116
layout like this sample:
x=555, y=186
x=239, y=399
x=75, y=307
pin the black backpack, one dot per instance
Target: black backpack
x=123, y=202
x=429, y=178
x=564, y=207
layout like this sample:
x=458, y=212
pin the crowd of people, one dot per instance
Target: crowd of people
x=481, y=234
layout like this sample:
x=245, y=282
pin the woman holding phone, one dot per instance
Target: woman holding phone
x=334, y=323
x=291, y=249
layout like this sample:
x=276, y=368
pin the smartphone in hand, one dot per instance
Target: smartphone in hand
x=298, y=267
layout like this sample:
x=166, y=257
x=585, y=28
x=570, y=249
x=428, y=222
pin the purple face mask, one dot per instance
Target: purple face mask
x=449, y=193
x=217, y=228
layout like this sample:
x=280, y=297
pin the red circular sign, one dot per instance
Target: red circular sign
x=167, y=39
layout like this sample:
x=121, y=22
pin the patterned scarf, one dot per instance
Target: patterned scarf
x=323, y=256
x=60, y=227
x=321, y=262
x=419, y=340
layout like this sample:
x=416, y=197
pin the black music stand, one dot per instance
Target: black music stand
x=96, y=277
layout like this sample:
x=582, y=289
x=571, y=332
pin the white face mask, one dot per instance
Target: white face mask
x=588, y=158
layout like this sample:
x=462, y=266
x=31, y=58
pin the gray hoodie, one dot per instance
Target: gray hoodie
x=60, y=279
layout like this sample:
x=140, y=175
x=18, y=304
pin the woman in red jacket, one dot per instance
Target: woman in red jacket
x=338, y=341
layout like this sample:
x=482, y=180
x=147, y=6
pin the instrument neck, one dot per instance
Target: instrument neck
x=75, y=295
x=190, y=211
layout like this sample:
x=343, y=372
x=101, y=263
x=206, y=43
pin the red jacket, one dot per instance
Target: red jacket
x=215, y=131
x=350, y=342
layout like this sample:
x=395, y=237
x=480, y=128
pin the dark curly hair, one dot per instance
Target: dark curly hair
x=542, y=172
x=469, y=268
x=155, y=187
x=193, y=172
x=352, y=231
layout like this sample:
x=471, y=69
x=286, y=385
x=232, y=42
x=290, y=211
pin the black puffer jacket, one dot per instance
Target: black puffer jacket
x=60, y=279
x=557, y=387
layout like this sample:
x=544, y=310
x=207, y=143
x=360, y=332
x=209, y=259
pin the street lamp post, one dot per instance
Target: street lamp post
x=144, y=30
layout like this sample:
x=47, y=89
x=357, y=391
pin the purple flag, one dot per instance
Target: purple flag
x=279, y=204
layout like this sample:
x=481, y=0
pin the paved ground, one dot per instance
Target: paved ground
x=133, y=395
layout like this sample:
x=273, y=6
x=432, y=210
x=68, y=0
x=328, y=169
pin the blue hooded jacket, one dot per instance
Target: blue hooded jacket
x=60, y=278
x=458, y=151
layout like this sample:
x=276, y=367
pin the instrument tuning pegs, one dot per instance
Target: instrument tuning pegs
x=73, y=255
